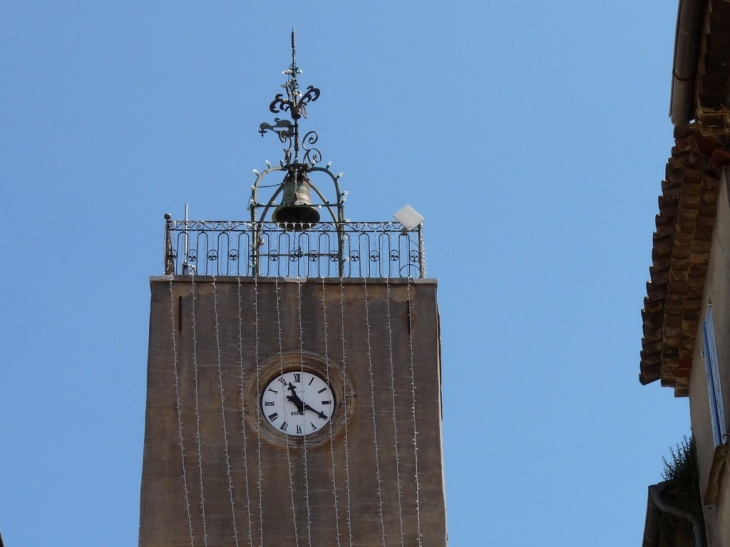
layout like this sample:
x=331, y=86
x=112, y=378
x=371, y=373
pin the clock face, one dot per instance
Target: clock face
x=297, y=403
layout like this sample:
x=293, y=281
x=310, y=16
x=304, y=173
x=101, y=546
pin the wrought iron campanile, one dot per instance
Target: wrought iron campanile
x=287, y=234
x=296, y=212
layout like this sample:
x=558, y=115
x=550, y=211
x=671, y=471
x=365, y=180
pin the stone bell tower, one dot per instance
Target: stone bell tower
x=293, y=394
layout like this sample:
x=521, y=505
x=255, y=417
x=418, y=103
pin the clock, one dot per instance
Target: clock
x=298, y=399
x=297, y=402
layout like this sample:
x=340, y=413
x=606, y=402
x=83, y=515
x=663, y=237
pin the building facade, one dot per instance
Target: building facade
x=686, y=315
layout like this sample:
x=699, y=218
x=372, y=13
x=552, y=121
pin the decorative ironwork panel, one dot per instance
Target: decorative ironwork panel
x=327, y=249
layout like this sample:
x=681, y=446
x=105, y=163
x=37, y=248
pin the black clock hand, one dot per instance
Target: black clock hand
x=294, y=398
x=301, y=405
x=317, y=412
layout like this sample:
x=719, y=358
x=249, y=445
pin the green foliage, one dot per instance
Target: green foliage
x=682, y=470
x=683, y=462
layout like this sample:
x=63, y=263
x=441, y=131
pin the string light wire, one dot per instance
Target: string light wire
x=373, y=410
x=223, y=412
x=243, y=421
x=413, y=413
x=179, y=414
x=286, y=437
x=331, y=427
x=345, y=403
x=197, y=410
x=257, y=405
x=301, y=368
x=393, y=398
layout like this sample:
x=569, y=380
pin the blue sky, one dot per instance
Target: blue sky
x=532, y=136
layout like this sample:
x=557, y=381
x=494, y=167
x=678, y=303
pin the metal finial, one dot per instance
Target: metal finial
x=295, y=103
x=293, y=68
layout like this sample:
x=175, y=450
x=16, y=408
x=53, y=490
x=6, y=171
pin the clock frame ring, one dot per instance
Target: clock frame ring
x=330, y=372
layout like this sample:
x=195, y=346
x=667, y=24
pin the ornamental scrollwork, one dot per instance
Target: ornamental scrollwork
x=295, y=103
x=362, y=249
x=312, y=155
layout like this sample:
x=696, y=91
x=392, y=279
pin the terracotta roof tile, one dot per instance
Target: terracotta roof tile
x=680, y=254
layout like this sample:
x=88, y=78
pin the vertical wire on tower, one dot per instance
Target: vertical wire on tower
x=372, y=399
x=286, y=437
x=345, y=403
x=197, y=411
x=301, y=368
x=331, y=428
x=413, y=413
x=243, y=420
x=395, y=422
x=223, y=412
x=179, y=414
x=256, y=404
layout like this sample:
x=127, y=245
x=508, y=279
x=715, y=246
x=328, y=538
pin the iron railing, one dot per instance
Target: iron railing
x=327, y=249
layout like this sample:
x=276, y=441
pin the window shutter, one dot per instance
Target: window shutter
x=714, y=387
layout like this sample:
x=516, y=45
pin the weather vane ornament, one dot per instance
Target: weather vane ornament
x=295, y=103
x=296, y=211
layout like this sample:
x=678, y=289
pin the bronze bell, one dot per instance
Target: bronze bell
x=296, y=212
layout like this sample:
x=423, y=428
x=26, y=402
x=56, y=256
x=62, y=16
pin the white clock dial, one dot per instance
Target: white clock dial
x=297, y=403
